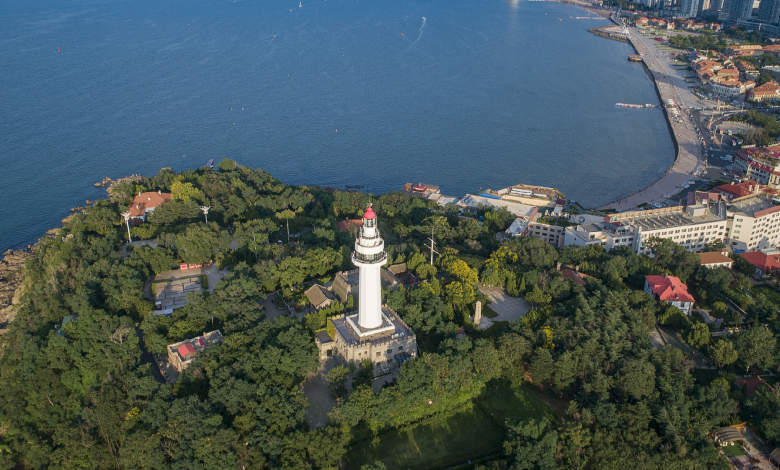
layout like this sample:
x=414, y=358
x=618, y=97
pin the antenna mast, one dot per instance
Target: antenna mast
x=432, y=247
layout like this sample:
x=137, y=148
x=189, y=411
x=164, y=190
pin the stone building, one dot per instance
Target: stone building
x=182, y=354
x=375, y=331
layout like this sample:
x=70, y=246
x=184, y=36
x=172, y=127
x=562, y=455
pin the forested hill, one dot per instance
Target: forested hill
x=89, y=397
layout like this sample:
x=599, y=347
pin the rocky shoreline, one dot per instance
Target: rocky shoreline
x=11, y=277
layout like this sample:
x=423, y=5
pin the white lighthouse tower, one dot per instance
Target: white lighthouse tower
x=369, y=256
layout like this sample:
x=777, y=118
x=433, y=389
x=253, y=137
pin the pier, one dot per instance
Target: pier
x=689, y=156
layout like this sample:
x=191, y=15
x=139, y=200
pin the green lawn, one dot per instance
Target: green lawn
x=465, y=436
x=733, y=451
x=489, y=312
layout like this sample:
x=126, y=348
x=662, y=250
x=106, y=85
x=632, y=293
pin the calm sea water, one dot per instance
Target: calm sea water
x=480, y=93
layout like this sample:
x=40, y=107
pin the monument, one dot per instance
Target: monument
x=375, y=331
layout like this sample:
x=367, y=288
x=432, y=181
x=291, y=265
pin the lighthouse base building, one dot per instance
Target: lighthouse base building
x=375, y=332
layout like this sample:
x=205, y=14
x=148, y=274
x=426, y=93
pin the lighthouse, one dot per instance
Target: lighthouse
x=375, y=332
x=369, y=256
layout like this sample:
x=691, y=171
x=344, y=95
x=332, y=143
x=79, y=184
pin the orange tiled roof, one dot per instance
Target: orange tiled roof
x=146, y=201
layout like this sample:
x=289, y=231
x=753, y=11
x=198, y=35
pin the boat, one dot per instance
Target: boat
x=425, y=18
x=299, y=5
x=59, y=50
x=210, y=164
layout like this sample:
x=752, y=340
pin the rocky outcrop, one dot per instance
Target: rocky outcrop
x=10, y=284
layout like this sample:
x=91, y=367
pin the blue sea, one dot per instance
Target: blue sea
x=465, y=94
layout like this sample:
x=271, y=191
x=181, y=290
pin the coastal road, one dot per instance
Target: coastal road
x=691, y=157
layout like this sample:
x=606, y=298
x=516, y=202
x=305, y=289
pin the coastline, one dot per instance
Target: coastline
x=685, y=143
x=655, y=190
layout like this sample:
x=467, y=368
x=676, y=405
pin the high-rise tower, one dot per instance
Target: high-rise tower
x=369, y=256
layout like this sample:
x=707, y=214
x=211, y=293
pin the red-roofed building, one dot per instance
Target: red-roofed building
x=752, y=383
x=736, y=191
x=351, y=225
x=766, y=265
x=181, y=354
x=145, y=203
x=575, y=276
x=671, y=290
x=715, y=260
x=185, y=350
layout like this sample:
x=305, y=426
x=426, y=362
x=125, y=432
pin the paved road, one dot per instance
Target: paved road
x=691, y=157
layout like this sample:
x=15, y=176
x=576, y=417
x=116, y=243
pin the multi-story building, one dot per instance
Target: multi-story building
x=753, y=223
x=731, y=88
x=691, y=227
x=769, y=11
x=767, y=92
x=759, y=165
x=689, y=8
x=552, y=232
x=739, y=190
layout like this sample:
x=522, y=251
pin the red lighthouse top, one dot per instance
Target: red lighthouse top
x=370, y=214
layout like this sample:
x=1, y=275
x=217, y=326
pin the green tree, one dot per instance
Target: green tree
x=542, y=366
x=756, y=346
x=699, y=336
x=636, y=379
x=200, y=243
x=719, y=310
x=723, y=353
x=185, y=192
x=337, y=378
x=531, y=444
x=227, y=165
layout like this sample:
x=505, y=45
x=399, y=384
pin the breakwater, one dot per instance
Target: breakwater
x=607, y=32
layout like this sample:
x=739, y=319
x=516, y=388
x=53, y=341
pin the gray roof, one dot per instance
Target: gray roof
x=397, y=268
x=319, y=296
x=728, y=434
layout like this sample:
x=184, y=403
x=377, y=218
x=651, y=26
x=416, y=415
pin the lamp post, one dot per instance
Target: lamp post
x=205, y=210
x=126, y=215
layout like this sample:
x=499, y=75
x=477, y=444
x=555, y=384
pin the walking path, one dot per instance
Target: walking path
x=690, y=157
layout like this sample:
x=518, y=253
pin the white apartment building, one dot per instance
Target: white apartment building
x=754, y=223
x=691, y=227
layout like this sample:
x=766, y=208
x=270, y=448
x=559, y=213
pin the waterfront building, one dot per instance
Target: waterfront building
x=753, y=223
x=182, y=354
x=670, y=290
x=472, y=203
x=730, y=88
x=691, y=227
x=375, y=332
x=420, y=190
x=736, y=191
x=760, y=165
x=145, y=203
x=549, y=229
